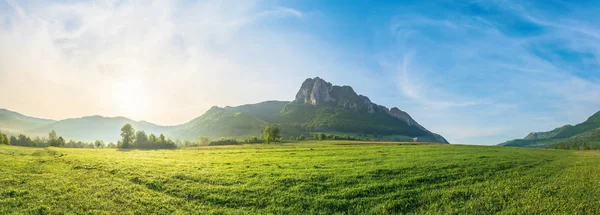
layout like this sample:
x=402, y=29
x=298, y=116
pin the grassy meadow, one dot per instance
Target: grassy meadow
x=302, y=178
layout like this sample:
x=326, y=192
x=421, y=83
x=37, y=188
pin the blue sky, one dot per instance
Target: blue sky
x=477, y=72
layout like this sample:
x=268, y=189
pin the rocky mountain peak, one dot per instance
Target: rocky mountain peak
x=531, y=136
x=315, y=91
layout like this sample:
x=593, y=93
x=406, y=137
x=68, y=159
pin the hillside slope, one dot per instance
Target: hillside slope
x=218, y=122
x=13, y=122
x=97, y=128
x=321, y=106
x=582, y=132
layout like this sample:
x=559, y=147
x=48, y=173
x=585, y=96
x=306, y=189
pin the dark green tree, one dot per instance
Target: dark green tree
x=60, y=142
x=128, y=135
x=301, y=137
x=271, y=133
x=53, y=138
x=586, y=146
x=4, y=140
x=151, y=140
x=99, y=144
x=141, y=140
x=321, y=136
x=562, y=146
x=203, y=141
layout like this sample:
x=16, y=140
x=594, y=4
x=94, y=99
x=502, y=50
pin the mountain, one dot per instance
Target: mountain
x=318, y=106
x=13, y=122
x=321, y=106
x=266, y=111
x=92, y=128
x=221, y=122
x=585, y=131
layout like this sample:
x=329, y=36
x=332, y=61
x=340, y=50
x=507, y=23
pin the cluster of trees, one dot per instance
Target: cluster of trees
x=576, y=146
x=54, y=140
x=139, y=140
x=271, y=134
x=322, y=136
x=4, y=140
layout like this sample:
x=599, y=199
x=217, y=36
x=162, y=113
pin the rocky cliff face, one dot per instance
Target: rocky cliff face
x=316, y=91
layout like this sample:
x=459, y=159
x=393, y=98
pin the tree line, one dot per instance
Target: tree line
x=576, y=146
x=139, y=140
x=132, y=139
x=51, y=140
x=4, y=140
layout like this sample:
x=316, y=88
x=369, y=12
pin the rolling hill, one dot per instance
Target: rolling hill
x=97, y=128
x=13, y=122
x=587, y=131
x=219, y=122
x=318, y=106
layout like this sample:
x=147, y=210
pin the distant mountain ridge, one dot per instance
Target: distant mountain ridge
x=11, y=121
x=588, y=130
x=318, y=106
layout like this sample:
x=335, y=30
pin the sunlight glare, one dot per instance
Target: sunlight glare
x=130, y=99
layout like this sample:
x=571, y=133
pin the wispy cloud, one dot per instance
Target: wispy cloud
x=71, y=55
x=474, y=59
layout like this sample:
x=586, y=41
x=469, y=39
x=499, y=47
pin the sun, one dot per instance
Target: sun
x=130, y=98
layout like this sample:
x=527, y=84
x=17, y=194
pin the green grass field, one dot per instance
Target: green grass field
x=301, y=178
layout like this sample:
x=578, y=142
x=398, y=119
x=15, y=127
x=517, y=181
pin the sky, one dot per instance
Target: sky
x=476, y=72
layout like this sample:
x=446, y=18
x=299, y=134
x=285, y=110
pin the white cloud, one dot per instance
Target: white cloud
x=188, y=55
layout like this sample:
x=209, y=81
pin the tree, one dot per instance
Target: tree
x=301, y=137
x=110, y=145
x=141, y=140
x=203, y=140
x=128, y=135
x=162, y=139
x=99, y=144
x=4, y=140
x=321, y=136
x=13, y=140
x=271, y=134
x=253, y=139
x=53, y=138
x=151, y=140
x=562, y=146
x=586, y=146
x=60, y=142
x=575, y=146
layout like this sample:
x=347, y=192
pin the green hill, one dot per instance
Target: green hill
x=218, y=122
x=13, y=122
x=266, y=111
x=92, y=128
x=580, y=133
x=319, y=107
